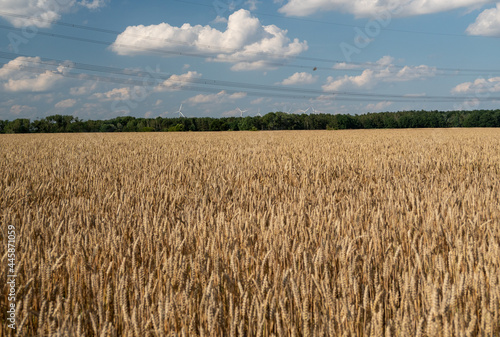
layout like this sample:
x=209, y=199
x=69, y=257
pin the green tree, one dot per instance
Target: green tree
x=60, y=123
x=107, y=127
x=3, y=124
x=19, y=125
x=487, y=119
x=177, y=128
x=471, y=119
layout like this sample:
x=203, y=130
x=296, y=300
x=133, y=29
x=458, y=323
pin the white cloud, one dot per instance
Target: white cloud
x=176, y=82
x=219, y=19
x=231, y=113
x=384, y=61
x=252, y=4
x=67, y=103
x=370, y=8
x=238, y=95
x=378, y=106
x=217, y=98
x=479, y=86
x=249, y=66
x=22, y=109
x=487, y=23
x=346, y=66
x=84, y=89
x=467, y=104
x=24, y=74
x=260, y=100
x=245, y=42
x=94, y=4
x=382, y=71
x=300, y=78
x=40, y=13
x=116, y=94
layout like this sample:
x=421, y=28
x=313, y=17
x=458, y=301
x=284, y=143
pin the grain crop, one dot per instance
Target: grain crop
x=325, y=233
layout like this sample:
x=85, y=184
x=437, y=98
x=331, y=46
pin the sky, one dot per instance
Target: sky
x=99, y=59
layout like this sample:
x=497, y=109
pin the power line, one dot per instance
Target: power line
x=132, y=82
x=115, y=32
x=332, y=23
x=141, y=78
x=454, y=71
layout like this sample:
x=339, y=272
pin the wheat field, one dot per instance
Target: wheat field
x=324, y=233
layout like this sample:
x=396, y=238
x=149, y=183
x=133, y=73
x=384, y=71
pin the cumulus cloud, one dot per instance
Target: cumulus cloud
x=67, y=103
x=24, y=74
x=479, y=86
x=378, y=106
x=41, y=13
x=94, y=4
x=85, y=89
x=300, y=78
x=487, y=23
x=22, y=110
x=468, y=104
x=116, y=94
x=369, y=8
x=245, y=42
x=176, y=82
x=346, y=66
x=219, y=19
x=381, y=71
x=383, y=62
x=260, y=100
x=252, y=4
x=220, y=97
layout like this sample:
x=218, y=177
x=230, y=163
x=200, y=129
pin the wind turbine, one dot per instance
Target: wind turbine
x=314, y=110
x=304, y=111
x=258, y=113
x=180, y=112
x=287, y=112
x=241, y=111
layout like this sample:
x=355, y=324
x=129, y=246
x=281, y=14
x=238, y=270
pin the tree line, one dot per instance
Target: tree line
x=271, y=121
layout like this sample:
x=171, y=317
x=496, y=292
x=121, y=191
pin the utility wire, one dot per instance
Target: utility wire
x=142, y=78
x=215, y=51
x=333, y=23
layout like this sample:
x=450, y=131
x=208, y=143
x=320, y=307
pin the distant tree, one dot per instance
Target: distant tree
x=472, y=119
x=131, y=126
x=77, y=126
x=496, y=116
x=60, y=123
x=20, y=125
x=216, y=124
x=177, y=128
x=343, y=122
x=405, y=121
x=486, y=119
x=245, y=123
x=2, y=126
x=107, y=127
x=270, y=121
x=454, y=119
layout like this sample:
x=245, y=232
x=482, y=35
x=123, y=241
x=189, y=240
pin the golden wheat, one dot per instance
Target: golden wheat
x=356, y=233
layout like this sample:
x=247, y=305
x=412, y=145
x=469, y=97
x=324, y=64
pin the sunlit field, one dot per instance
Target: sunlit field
x=323, y=233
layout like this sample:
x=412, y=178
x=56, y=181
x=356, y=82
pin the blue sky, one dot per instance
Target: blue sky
x=98, y=59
